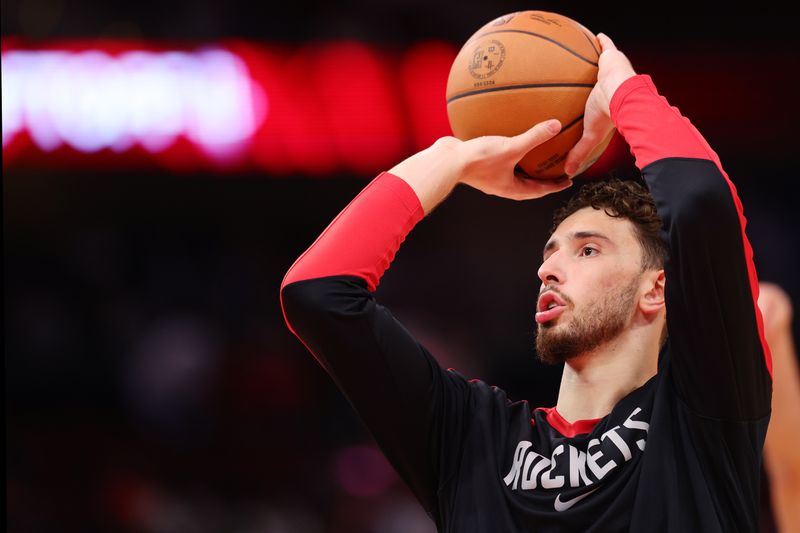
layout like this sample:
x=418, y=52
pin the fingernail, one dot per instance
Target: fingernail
x=553, y=126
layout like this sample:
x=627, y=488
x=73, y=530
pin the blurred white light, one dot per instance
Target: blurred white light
x=216, y=90
x=91, y=100
x=33, y=71
x=155, y=104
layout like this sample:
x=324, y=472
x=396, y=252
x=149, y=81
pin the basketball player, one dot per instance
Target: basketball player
x=651, y=432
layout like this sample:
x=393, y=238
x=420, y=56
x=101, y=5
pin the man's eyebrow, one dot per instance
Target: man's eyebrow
x=575, y=236
x=588, y=235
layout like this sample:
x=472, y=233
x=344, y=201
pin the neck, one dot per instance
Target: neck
x=593, y=382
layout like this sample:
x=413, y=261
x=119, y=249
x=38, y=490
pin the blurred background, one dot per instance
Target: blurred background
x=164, y=163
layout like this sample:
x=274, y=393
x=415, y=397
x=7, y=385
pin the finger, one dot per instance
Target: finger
x=580, y=152
x=605, y=42
x=525, y=142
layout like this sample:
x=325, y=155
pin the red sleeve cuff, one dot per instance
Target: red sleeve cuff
x=363, y=239
x=628, y=86
x=653, y=128
x=404, y=193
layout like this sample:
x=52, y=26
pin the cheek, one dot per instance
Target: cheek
x=611, y=282
x=586, y=294
x=597, y=284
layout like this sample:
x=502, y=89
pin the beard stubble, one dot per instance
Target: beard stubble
x=601, y=321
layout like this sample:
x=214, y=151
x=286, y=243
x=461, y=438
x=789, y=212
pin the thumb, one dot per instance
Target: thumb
x=606, y=42
x=580, y=152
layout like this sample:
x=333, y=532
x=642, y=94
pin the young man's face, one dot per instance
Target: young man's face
x=590, y=281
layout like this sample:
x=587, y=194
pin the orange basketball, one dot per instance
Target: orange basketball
x=521, y=69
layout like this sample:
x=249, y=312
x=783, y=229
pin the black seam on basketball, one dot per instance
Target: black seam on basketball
x=596, y=51
x=546, y=38
x=568, y=126
x=511, y=87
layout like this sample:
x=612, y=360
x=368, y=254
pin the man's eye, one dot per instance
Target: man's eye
x=588, y=251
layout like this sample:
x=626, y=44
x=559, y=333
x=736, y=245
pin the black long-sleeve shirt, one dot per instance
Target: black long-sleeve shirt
x=681, y=453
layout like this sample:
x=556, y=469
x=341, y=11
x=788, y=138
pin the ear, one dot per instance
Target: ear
x=652, y=300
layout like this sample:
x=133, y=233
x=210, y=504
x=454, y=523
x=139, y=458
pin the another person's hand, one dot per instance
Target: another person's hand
x=776, y=308
x=485, y=163
x=614, y=69
x=781, y=454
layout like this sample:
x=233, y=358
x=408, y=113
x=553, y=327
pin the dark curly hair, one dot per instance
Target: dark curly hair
x=625, y=199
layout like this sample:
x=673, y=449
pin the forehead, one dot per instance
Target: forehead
x=620, y=231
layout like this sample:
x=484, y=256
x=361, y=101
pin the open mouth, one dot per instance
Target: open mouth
x=550, y=307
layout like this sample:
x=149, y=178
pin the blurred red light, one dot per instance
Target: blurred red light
x=424, y=72
x=316, y=110
x=359, y=100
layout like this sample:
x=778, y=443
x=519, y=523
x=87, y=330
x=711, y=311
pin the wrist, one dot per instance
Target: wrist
x=617, y=80
x=628, y=86
x=432, y=173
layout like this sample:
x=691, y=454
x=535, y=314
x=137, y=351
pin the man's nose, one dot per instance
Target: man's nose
x=549, y=271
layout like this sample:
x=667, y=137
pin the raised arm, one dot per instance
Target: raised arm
x=720, y=361
x=414, y=409
x=392, y=381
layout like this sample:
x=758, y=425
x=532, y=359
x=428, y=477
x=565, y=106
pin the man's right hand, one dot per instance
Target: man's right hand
x=614, y=69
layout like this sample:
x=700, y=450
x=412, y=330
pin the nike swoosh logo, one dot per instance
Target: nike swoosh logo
x=563, y=506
